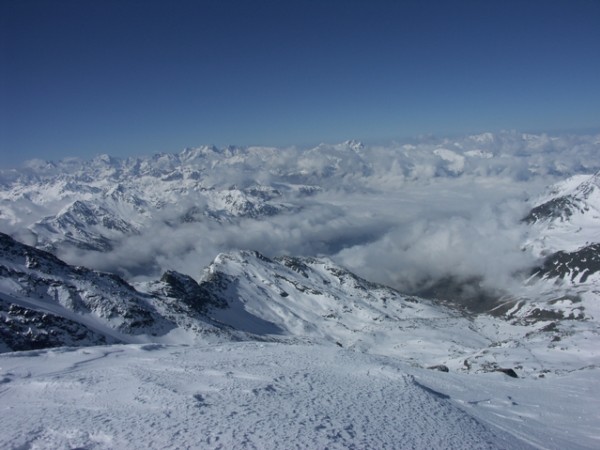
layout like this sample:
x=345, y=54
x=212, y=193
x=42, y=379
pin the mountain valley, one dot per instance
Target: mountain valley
x=384, y=256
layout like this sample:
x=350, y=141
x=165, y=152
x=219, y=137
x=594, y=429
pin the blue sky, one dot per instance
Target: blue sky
x=79, y=78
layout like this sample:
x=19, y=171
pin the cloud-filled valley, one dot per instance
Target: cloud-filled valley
x=408, y=215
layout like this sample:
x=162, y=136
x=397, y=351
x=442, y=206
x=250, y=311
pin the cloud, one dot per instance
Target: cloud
x=404, y=214
x=189, y=247
x=407, y=239
x=482, y=244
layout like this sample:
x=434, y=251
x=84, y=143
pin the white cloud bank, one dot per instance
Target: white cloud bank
x=405, y=214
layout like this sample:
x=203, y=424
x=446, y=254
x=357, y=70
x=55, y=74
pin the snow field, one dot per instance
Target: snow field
x=240, y=395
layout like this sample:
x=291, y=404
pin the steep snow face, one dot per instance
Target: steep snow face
x=310, y=297
x=565, y=233
x=568, y=218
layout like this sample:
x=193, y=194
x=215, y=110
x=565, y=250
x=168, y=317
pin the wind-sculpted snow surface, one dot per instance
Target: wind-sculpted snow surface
x=269, y=396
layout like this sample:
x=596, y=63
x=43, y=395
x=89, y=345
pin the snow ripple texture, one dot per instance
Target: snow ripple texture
x=243, y=395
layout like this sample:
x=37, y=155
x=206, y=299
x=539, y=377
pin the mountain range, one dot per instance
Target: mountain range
x=246, y=295
x=145, y=252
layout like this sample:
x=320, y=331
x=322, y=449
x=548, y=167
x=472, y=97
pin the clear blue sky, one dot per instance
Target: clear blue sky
x=83, y=77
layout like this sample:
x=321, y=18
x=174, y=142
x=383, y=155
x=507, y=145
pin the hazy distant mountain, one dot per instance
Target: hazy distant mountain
x=91, y=205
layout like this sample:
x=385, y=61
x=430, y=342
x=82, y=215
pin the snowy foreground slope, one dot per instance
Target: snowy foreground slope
x=327, y=360
x=278, y=395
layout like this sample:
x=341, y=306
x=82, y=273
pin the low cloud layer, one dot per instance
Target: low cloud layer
x=406, y=239
x=484, y=244
x=406, y=214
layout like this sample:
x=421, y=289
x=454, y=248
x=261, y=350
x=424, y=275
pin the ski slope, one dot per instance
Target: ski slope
x=278, y=395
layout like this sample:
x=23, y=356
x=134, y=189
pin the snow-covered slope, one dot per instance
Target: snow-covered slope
x=565, y=234
x=45, y=302
x=279, y=395
x=244, y=295
x=314, y=298
x=568, y=217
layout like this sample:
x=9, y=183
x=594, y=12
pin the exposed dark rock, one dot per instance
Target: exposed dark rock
x=41, y=276
x=296, y=264
x=538, y=314
x=509, y=372
x=550, y=327
x=439, y=367
x=584, y=262
x=196, y=296
x=27, y=329
x=558, y=208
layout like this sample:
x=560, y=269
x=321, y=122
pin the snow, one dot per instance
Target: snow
x=306, y=354
x=581, y=226
x=278, y=395
x=323, y=201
